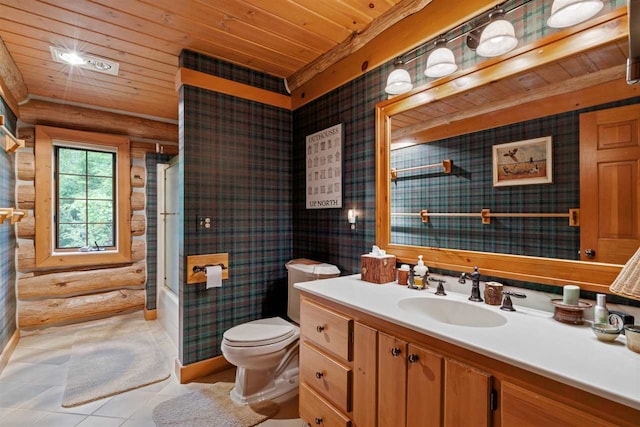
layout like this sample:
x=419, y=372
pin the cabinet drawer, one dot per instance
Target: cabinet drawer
x=327, y=376
x=328, y=329
x=317, y=411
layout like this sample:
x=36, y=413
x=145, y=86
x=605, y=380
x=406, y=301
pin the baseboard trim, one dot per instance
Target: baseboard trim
x=150, y=314
x=200, y=369
x=7, y=351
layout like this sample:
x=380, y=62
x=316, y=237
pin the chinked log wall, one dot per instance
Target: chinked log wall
x=56, y=297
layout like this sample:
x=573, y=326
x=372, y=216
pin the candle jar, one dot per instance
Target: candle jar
x=403, y=275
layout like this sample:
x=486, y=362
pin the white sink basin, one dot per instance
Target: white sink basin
x=452, y=312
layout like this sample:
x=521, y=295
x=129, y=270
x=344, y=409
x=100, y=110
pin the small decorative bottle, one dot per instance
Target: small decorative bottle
x=600, y=312
x=421, y=272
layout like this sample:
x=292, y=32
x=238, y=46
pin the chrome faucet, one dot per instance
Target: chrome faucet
x=475, y=284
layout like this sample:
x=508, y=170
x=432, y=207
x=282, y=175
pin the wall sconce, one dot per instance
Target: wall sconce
x=565, y=13
x=352, y=217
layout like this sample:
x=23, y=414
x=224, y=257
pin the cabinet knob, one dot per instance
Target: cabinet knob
x=413, y=358
x=318, y=420
x=590, y=253
x=319, y=375
x=319, y=329
x=395, y=351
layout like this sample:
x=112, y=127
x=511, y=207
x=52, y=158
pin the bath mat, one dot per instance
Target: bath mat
x=211, y=406
x=111, y=359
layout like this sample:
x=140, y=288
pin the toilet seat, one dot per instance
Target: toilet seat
x=260, y=336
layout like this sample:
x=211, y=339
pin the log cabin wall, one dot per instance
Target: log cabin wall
x=7, y=238
x=61, y=296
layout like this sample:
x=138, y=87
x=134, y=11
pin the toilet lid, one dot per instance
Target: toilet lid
x=259, y=332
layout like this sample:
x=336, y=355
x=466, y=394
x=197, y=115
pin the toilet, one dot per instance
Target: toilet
x=265, y=351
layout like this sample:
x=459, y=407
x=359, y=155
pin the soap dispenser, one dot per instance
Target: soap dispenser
x=421, y=272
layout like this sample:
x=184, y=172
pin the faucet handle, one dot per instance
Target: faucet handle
x=463, y=278
x=440, y=290
x=507, y=305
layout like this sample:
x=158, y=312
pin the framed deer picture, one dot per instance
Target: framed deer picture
x=523, y=162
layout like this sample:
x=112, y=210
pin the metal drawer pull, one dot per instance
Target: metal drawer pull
x=319, y=375
x=413, y=358
x=395, y=351
x=319, y=329
x=318, y=420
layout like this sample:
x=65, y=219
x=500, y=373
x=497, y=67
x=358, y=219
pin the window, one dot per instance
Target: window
x=85, y=198
x=83, y=214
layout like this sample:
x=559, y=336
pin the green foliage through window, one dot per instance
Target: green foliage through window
x=85, y=198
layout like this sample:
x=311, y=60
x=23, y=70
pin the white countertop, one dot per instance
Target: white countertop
x=530, y=339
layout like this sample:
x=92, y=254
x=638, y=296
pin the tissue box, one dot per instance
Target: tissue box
x=378, y=269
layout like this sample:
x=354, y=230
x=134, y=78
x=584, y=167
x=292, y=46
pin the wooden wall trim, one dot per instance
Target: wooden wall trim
x=7, y=351
x=357, y=41
x=186, y=76
x=200, y=369
x=45, y=256
x=434, y=19
x=39, y=112
x=150, y=314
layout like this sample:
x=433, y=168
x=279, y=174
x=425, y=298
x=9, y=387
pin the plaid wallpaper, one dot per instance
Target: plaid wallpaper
x=151, y=160
x=7, y=238
x=236, y=168
x=469, y=188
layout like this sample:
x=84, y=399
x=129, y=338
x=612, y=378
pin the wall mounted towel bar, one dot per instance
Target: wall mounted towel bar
x=445, y=165
x=486, y=215
x=14, y=215
x=11, y=143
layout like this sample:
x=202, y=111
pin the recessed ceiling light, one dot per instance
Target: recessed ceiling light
x=85, y=61
x=71, y=58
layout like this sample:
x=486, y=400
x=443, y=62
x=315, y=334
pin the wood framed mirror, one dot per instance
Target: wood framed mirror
x=605, y=38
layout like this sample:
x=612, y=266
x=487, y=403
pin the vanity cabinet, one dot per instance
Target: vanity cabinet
x=418, y=387
x=359, y=370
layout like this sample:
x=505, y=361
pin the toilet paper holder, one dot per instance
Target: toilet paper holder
x=203, y=268
x=197, y=266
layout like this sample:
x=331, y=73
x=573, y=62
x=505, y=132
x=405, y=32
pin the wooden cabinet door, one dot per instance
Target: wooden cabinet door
x=365, y=365
x=467, y=392
x=524, y=408
x=424, y=388
x=609, y=181
x=392, y=381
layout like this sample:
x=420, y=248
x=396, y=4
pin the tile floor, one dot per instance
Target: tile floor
x=32, y=386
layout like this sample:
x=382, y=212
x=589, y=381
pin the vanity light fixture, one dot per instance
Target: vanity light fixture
x=565, y=13
x=498, y=38
x=441, y=62
x=352, y=218
x=489, y=34
x=85, y=61
x=399, y=81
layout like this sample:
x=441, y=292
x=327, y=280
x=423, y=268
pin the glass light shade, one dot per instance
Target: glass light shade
x=565, y=13
x=440, y=63
x=498, y=38
x=398, y=82
x=72, y=58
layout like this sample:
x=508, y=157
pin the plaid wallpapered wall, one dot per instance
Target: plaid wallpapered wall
x=7, y=237
x=151, y=160
x=236, y=168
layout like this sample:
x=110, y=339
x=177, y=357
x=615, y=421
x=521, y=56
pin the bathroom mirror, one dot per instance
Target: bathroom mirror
x=437, y=112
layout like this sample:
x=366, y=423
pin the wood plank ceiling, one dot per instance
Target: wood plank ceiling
x=145, y=37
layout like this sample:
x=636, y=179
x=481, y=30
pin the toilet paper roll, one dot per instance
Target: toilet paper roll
x=214, y=276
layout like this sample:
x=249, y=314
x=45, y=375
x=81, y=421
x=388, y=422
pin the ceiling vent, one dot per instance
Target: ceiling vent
x=633, y=62
x=83, y=60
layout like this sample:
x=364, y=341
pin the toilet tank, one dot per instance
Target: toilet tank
x=304, y=270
